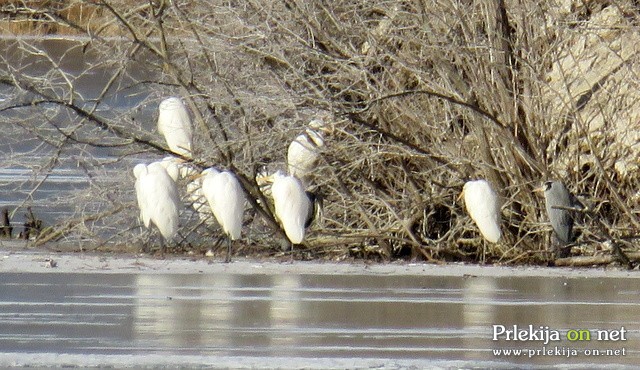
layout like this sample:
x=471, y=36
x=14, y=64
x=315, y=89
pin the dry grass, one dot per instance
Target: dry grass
x=424, y=95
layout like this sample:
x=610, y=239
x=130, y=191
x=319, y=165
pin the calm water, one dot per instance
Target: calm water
x=296, y=320
x=28, y=175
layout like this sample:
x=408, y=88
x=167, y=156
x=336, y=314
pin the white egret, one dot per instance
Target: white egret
x=175, y=125
x=226, y=200
x=303, y=152
x=172, y=166
x=158, y=199
x=198, y=201
x=139, y=171
x=558, y=203
x=178, y=169
x=292, y=205
x=482, y=205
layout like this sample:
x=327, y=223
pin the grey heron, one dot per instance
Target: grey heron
x=559, y=203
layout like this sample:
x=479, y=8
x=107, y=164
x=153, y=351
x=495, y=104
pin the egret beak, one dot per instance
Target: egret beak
x=539, y=189
x=194, y=177
x=460, y=196
x=328, y=129
x=264, y=180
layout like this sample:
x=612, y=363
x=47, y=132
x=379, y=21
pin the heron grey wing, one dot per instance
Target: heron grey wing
x=575, y=202
x=566, y=230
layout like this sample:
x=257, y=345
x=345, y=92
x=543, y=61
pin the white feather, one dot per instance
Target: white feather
x=226, y=199
x=139, y=171
x=291, y=205
x=483, y=207
x=172, y=166
x=175, y=125
x=158, y=198
x=303, y=152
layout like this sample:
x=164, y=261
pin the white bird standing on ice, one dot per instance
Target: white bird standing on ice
x=226, y=199
x=303, y=152
x=158, y=199
x=482, y=205
x=292, y=205
x=175, y=125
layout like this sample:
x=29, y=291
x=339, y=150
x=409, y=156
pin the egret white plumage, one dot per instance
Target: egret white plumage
x=483, y=206
x=226, y=199
x=172, y=166
x=175, y=125
x=158, y=199
x=198, y=201
x=293, y=208
x=177, y=169
x=303, y=152
x=558, y=202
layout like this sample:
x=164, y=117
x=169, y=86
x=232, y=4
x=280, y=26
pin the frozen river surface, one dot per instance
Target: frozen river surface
x=109, y=311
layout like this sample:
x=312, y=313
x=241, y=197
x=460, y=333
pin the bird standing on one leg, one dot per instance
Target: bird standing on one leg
x=158, y=199
x=226, y=200
x=482, y=204
x=292, y=205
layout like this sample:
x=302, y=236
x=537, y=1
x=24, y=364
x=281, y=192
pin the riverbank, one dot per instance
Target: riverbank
x=14, y=259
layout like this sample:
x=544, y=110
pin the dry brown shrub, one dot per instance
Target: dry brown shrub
x=424, y=95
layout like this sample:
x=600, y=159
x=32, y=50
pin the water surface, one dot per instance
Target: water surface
x=293, y=320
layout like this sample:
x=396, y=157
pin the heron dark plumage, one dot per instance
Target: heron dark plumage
x=315, y=211
x=558, y=203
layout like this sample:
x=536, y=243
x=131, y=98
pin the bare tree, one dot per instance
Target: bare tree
x=423, y=96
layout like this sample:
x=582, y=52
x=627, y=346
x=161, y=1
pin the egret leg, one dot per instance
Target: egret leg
x=145, y=238
x=228, y=258
x=291, y=253
x=144, y=248
x=162, y=247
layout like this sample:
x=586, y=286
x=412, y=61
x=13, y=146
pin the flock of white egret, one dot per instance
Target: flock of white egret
x=219, y=192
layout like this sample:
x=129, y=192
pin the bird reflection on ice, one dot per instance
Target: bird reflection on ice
x=285, y=308
x=479, y=310
x=179, y=311
x=216, y=312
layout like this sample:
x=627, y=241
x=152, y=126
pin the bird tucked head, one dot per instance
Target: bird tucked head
x=171, y=103
x=139, y=169
x=266, y=179
x=320, y=125
x=210, y=170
